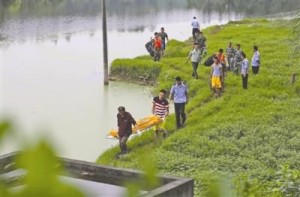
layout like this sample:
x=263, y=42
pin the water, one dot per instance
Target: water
x=51, y=63
x=56, y=89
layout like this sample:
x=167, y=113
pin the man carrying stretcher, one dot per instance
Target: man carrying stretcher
x=160, y=108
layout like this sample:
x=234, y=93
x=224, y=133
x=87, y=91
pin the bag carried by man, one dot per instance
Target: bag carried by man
x=149, y=48
x=209, y=61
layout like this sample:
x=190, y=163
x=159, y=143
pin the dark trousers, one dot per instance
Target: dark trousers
x=255, y=69
x=194, y=31
x=195, y=67
x=245, y=81
x=123, y=146
x=163, y=44
x=180, y=114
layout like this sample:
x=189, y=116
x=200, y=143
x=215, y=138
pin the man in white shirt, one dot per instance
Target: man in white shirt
x=195, y=56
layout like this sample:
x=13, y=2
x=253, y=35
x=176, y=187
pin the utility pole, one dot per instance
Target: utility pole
x=104, y=32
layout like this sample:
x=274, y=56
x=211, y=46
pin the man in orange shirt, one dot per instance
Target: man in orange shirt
x=157, y=45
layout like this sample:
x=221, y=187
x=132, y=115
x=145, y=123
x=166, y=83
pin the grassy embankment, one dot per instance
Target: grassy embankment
x=252, y=136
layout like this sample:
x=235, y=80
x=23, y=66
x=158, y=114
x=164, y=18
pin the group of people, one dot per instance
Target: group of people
x=199, y=49
x=160, y=108
x=235, y=60
x=157, y=45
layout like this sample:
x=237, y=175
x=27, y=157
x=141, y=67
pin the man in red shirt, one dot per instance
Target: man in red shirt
x=125, y=122
x=157, y=45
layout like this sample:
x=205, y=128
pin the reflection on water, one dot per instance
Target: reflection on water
x=51, y=66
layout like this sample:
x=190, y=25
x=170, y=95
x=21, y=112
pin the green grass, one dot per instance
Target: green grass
x=250, y=137
x=139, y=69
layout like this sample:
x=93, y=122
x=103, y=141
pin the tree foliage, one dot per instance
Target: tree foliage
x=41, y=168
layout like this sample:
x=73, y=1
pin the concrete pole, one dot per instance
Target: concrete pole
x=104, y=32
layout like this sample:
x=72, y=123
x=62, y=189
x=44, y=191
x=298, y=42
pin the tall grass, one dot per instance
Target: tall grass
x=250, y=137
x=144, y=70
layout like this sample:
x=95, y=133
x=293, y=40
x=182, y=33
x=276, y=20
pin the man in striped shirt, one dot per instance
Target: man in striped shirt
x=160, y=108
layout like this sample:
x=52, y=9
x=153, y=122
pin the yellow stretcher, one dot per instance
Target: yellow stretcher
x=142, y=124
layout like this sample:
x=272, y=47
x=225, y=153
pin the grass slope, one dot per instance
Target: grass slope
x=251, y=137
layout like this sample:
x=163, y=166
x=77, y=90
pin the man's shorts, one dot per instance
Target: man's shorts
x=216, y=82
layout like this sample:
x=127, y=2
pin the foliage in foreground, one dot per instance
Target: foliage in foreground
x=40, y=165
x=251, y=137
x=39, y=172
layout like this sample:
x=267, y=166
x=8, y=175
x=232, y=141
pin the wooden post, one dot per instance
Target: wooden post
x=104, y=32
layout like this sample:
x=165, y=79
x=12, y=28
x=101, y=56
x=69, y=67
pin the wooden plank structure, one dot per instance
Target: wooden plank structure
x=169, y=186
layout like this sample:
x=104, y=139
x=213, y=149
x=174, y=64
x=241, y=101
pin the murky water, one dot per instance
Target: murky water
x=56, y=89
x=51, y=63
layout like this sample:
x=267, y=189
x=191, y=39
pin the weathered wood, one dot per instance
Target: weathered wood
x=169, y=186
x=7, y=162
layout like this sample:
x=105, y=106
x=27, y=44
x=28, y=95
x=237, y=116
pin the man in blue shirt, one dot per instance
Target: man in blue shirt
x=179, y=94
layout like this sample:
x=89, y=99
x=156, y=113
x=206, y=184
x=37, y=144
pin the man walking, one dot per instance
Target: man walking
x=195, y=56
x=160, y=108
x=125, y=122
x=164, y=36
x=196, y=26
x=179, y=94
x=157, y=46
x=215, y=75
x=202, y=43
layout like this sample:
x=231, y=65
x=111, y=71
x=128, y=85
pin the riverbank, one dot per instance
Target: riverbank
x=250, y=137
x=141, y=70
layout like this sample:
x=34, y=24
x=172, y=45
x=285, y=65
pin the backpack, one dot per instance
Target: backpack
x=149, y=48
x=209, y=61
